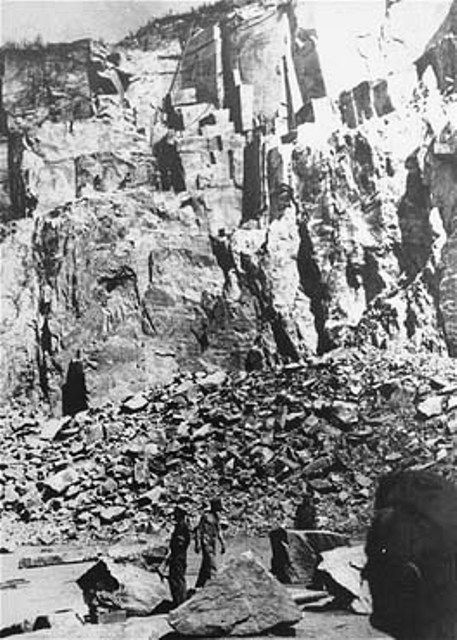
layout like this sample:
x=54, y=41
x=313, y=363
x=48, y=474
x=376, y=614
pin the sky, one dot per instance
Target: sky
x=111, y=20
x=66, y=20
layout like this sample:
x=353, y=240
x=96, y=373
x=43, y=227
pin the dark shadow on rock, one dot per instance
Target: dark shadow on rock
x=283, y=631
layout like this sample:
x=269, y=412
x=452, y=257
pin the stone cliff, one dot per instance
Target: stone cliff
x=316, y=214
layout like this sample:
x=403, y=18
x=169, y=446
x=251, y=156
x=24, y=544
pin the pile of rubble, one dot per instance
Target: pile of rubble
x=332, y=424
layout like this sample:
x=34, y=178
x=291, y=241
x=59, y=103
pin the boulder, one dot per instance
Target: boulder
x=108, y=586
x=61, y=480
x=343, y=414
x=243, y=599
x=213, y=380
x=342, y=569
x=110, y=514
x=52, y=427
x=94, y=433
x=152, y=496
x=295, y=554
x=10, y=495
x=303, y=557
x=148, y=556
x=430, y=407
x=324, y=540
x=135, y=403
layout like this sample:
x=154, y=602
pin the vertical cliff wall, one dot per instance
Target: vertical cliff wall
x=201, y=66
x=308, y=228
x=441, y=180
x=18, y=312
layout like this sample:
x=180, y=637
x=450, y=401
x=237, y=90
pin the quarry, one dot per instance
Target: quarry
x=228, y=268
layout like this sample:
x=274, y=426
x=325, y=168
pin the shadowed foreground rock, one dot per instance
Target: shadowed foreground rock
x=411, y=551
x=244, y=599
x=109, y=586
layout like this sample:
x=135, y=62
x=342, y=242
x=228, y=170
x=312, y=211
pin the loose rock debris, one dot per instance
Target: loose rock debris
x=329, y=425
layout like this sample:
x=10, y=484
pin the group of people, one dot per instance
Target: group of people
x=207, y=534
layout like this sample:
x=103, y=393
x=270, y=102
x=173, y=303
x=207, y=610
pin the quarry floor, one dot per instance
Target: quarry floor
x=53, y=589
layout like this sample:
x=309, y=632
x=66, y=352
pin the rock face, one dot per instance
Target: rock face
x=312, y=232
x=242, y=600
x=441, y=177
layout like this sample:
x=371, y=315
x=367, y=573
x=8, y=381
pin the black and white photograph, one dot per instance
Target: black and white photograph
x=228, y=319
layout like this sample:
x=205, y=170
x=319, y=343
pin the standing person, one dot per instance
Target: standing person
x=207, y=533
x=305, y=515
x=177, y=557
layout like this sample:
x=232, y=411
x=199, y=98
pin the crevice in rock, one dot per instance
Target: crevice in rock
x=314, y=288
x=147, y=324
x=200, y=332
x=16, y=180
x=42, y=364
x=74, y=288
x=222, y=251
x=414, y=221
x=284, y=344
x=372, y=281
x=118, y=278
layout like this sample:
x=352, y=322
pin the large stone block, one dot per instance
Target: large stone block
x=243, y=599
x=296, y=554
x=259, y=46
x=303, y=558
x=307, y=63
x=381, y=99
x=201, y=65
x=347, y=108
x=363, y=101
x=108, y=586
